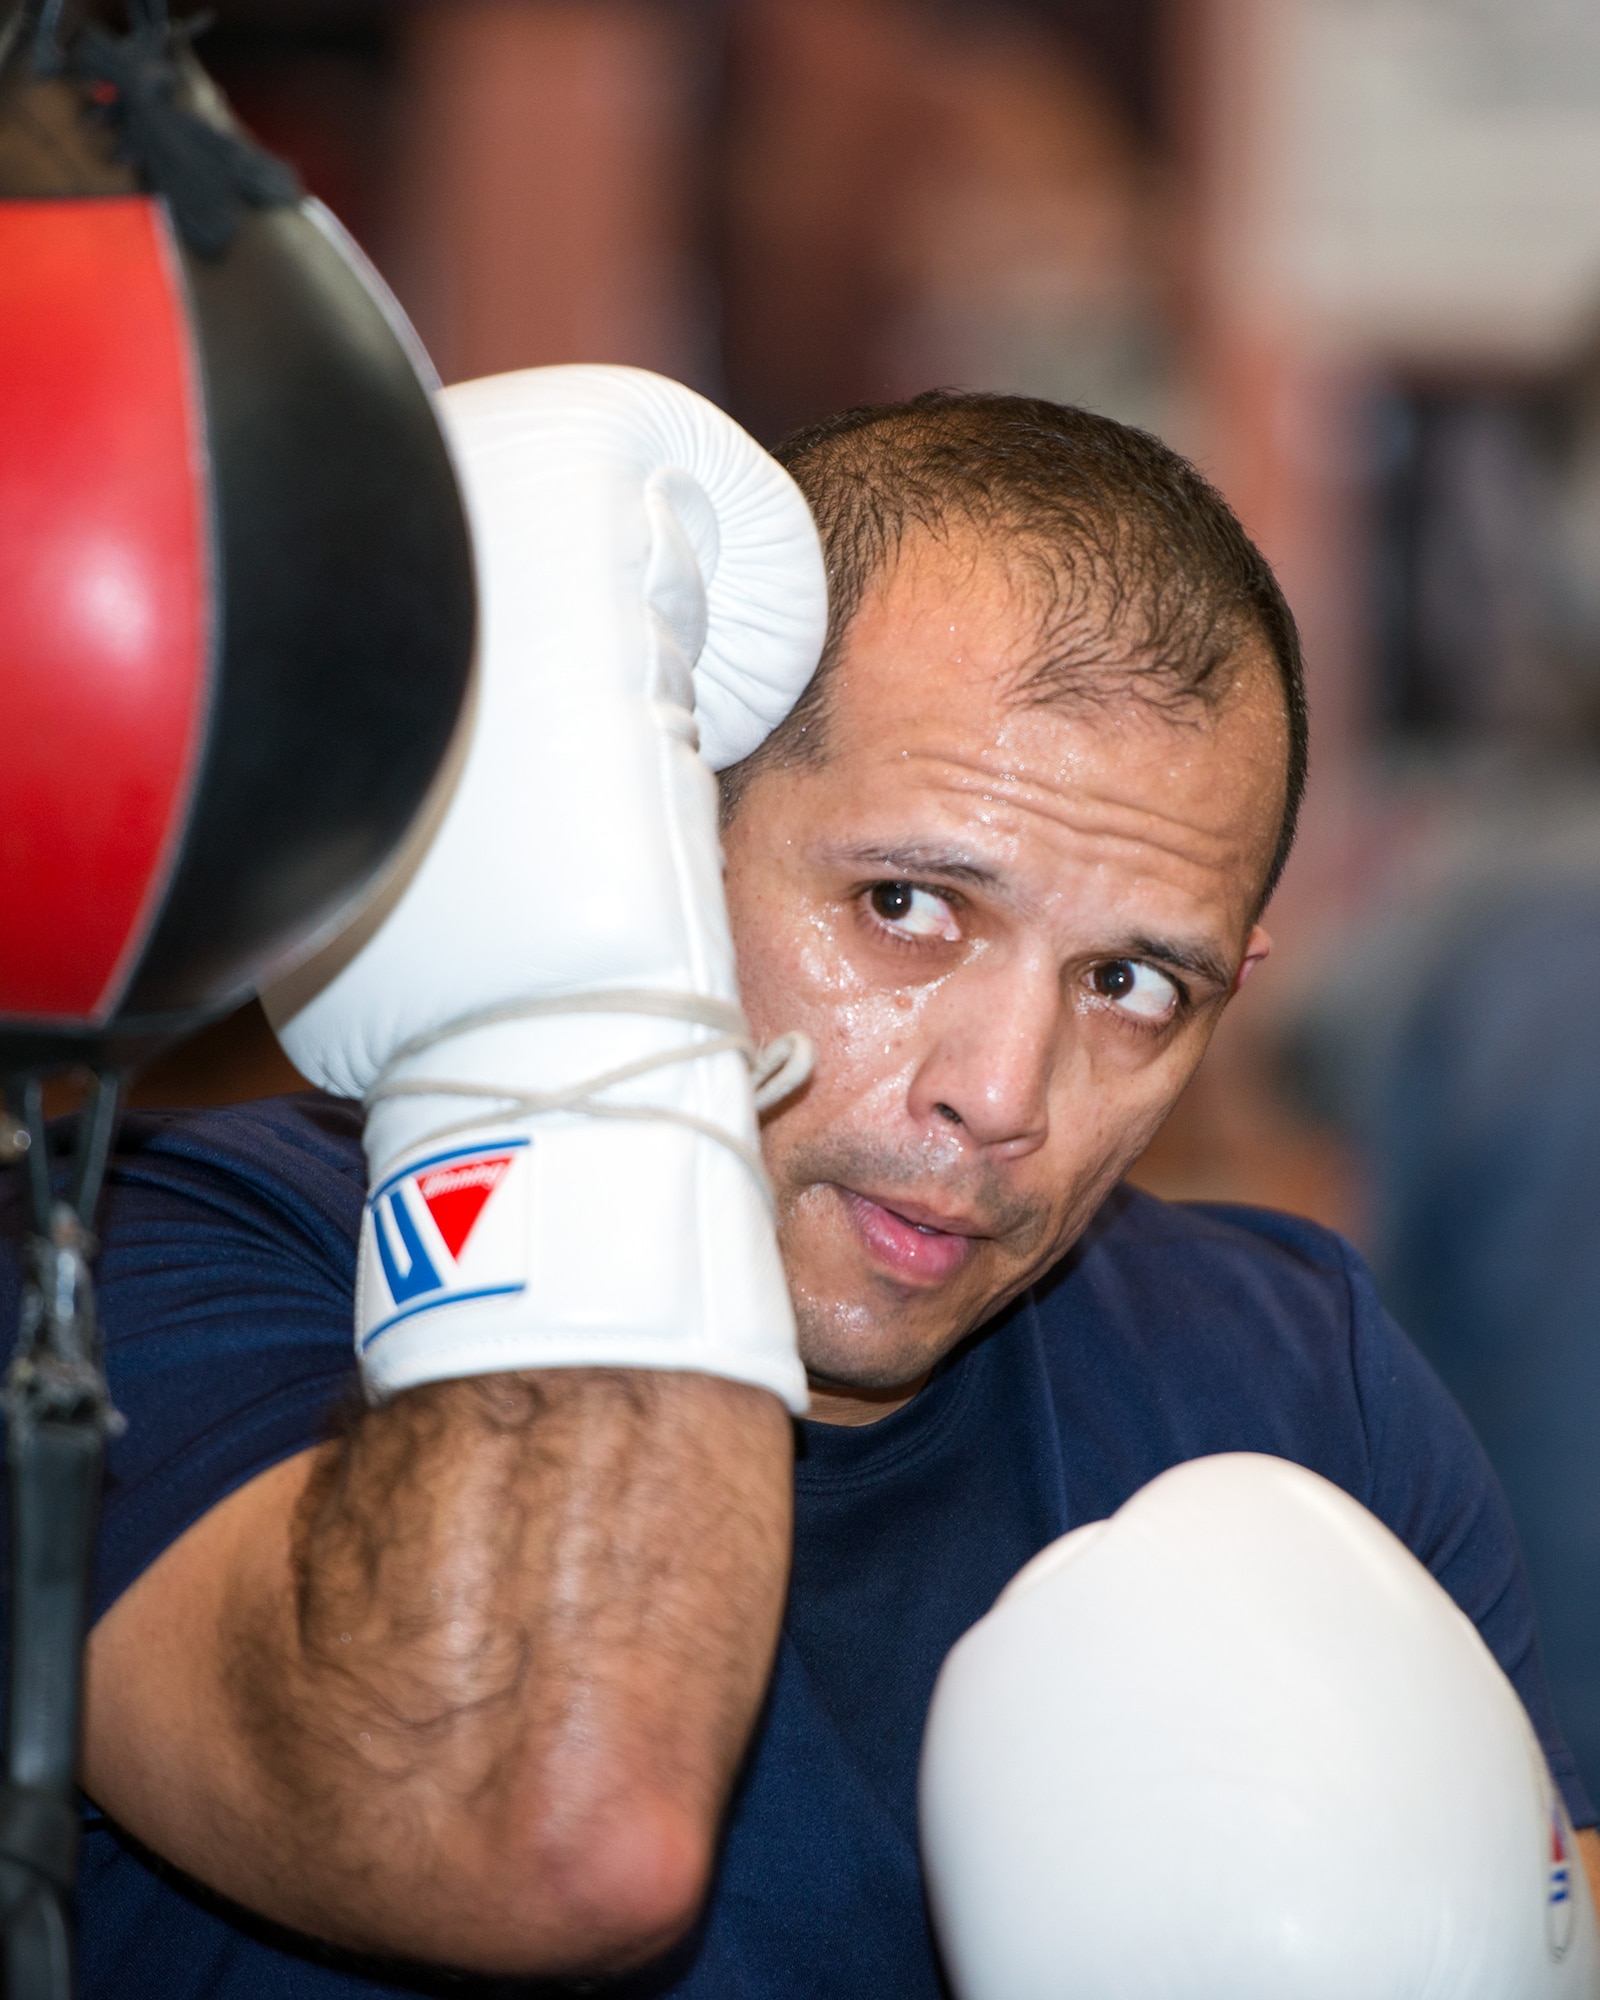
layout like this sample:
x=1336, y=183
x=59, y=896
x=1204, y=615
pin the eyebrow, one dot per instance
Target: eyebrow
x=1198, y=959
x=952, y=863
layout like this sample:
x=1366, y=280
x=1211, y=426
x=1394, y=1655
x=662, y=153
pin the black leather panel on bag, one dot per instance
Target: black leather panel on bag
x=346, y=592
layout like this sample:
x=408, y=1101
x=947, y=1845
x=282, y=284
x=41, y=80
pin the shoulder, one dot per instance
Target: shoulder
x=233, y=1228
x=1174, y=1330
x=1164, y=1261
x=1210, y=1327
x=286, y=1171
x=1131, y=1220
x=303, y=1146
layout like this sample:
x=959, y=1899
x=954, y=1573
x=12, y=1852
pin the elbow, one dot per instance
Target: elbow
x=629, y=1886
x=600, y=1896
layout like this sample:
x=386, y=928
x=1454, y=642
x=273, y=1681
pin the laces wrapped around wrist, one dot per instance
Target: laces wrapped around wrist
x=776, y=1071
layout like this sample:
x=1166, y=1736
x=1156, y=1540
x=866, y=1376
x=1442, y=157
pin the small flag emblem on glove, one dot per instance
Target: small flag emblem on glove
x=1559, y=1914
x=443, y=1229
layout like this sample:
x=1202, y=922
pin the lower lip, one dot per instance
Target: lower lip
x=930, y=1255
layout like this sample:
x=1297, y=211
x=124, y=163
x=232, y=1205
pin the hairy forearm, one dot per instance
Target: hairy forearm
x=490, y=1690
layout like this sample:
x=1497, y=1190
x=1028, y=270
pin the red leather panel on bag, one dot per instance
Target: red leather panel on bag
x=105, y=597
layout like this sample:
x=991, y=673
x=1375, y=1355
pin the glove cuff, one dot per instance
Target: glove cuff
x=565, y=1242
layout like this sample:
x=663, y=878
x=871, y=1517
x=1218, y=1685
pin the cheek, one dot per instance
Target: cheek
x=795, y=971
x=1130, y=1068
x=1120, y=1106
x=1109, y=1093
x=868, y=1045
x=778, y=952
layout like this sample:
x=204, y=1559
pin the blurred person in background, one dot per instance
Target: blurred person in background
x=1457, y=1044
x=1459, y=1055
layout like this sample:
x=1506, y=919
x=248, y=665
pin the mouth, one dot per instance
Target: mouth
x=912, y=1242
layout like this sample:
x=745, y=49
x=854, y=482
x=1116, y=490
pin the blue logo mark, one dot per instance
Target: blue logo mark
x=419, y=1275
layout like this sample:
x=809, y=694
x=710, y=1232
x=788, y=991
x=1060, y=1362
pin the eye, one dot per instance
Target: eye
x=1135, y=988
x=913, y=912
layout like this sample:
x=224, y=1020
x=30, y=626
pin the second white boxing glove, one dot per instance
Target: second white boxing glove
x=1236, y=1743
x=541, y=1012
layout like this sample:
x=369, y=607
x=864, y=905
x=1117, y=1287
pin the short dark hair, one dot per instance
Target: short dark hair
x=1148, y=583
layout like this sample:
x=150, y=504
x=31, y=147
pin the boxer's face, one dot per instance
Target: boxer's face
x=1009, y=930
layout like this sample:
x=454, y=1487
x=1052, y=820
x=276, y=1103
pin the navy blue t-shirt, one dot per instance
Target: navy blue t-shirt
x=1168, y=1333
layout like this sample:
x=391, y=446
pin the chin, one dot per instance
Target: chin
x=843, y=1349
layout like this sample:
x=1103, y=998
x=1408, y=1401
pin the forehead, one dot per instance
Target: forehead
x=926, y=711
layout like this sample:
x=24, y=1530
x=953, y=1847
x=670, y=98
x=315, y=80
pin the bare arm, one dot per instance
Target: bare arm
x=471, y=1684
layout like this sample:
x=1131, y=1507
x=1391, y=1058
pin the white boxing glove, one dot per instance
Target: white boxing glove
x=1236, y=1743
x=541, y=1010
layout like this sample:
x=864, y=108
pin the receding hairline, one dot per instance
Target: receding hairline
x=1142, y=567
x=803, y=736
x=1083, y=655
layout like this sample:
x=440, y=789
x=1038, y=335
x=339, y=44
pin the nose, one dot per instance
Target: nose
x=987, y=1066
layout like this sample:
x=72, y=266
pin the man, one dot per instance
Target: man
x=474, y=1683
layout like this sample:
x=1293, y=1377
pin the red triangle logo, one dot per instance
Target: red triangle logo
x=456, y=1195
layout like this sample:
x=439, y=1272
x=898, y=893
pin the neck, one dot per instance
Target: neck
x=846, y=1403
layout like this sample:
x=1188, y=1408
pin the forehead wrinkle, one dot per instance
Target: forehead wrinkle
x=1039, y=798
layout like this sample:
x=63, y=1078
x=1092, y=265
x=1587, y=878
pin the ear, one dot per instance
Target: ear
x=1257, y=945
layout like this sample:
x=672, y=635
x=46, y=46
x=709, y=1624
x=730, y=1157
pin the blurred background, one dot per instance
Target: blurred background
x=1343, y=253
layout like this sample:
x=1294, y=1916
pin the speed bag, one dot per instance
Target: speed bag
x=236, y=596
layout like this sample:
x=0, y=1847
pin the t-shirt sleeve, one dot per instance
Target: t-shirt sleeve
x=224, y=1284
x=1433, y=1485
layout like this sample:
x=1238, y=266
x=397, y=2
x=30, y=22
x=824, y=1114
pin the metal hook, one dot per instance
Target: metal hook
x=96, y=1124
x=38, y=1152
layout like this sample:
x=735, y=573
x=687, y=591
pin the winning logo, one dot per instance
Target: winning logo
x=443, y=1229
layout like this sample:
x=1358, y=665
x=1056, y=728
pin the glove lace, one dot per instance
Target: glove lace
x=776, y=1070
